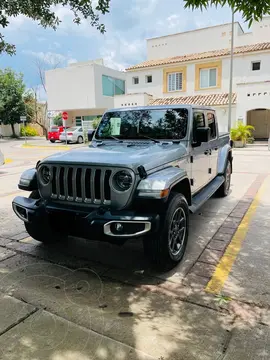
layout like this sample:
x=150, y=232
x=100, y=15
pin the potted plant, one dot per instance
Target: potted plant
x=240, y=134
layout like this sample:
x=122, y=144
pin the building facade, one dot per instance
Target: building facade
x=196, y=69
x=189, y=67
x=84, y=90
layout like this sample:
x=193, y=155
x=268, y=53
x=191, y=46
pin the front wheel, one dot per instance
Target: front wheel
x=52, y=141
x=166, y=248
x=225, y=187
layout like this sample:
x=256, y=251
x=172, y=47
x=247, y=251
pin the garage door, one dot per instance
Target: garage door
x=260, y=119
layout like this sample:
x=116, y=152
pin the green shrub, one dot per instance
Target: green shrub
x=28, y=131
x=241, y=132
x=96, y=122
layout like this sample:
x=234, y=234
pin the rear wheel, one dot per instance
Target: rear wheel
x=166, y=248
x=80, y=140
x=225, y=187
x=42, y=229
x=52, y=141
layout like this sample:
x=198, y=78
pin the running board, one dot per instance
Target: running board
x=199, y=199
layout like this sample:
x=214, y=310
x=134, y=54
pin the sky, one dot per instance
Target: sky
x=128, y=25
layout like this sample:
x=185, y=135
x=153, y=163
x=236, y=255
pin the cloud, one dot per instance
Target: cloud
x=51, y=58
x=128, y=25
x=72, y=61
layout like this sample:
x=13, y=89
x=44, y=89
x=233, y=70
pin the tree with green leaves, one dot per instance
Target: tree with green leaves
x=57, y=120
x=43, y=11
x=251, y=10
x=12, y=90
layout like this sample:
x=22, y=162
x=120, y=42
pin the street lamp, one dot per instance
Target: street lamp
x=231, y=75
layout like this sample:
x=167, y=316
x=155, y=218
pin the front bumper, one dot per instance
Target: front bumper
x=93, y=224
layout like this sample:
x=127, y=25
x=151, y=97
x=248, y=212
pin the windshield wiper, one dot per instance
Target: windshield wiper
x=148, y=137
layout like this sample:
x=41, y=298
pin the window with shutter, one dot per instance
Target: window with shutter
x=175, y=81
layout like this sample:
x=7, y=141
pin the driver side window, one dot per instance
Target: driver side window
x=198, y=121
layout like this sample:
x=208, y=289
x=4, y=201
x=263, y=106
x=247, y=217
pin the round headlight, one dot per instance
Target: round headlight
x=122, y=180
x=45, y=174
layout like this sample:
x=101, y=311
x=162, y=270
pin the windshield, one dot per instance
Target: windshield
x=138, y=124
x=53, y=129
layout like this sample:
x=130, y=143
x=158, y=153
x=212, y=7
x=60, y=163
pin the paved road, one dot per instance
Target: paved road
x=97, y=301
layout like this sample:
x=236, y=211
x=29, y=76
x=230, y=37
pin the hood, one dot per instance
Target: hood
x=150, y=155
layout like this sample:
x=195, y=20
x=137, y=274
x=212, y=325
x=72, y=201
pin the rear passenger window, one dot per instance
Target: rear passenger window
x=212, y=125
x=198, y=121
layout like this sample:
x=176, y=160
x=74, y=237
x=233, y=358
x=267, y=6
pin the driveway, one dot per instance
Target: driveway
x=98, y=301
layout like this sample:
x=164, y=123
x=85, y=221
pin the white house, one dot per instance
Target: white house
x=194, y=67
x=189, y=67
x=84, y=90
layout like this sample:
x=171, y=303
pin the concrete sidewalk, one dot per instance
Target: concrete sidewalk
x=87, y=301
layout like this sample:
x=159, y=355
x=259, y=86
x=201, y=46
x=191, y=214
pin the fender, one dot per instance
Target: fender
x=28, y=180
x=224, y=153
x=158, y=185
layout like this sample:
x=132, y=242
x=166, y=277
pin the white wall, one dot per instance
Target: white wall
x=252, y=96
x=211, y=38
x=72, y=87
x=196, y=41
x=79, y=86
x=222, y=117
x=242, y=73
x=128, y=100
x=154, y=88
x=6, y=130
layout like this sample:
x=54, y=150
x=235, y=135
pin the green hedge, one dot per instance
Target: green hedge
x=28, y=131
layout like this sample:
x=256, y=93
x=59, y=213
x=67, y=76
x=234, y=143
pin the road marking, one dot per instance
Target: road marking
x=225, y=264
x=8, y=161
x=58, y=147
x=11, y=193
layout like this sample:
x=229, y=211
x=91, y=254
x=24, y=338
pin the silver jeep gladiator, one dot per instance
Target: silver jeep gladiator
x=146, y=169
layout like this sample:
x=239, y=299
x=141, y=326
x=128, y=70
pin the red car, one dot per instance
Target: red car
x=54, y=133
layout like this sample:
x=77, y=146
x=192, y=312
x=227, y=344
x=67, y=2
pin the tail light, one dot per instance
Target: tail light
x=69, y=133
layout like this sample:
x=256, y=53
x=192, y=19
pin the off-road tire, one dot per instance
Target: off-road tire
x=225, y=187
x=156, y=246
x=41, y=229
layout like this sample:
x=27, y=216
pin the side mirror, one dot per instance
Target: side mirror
x=91, y=134
x=202, y=135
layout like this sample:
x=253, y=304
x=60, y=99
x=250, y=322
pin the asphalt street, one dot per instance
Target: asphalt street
x=90, y=300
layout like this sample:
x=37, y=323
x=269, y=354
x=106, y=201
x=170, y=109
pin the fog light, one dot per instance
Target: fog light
x=119, y=227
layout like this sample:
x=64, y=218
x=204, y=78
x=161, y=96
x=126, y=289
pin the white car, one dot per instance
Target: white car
x=73, y=134
x=2, y=159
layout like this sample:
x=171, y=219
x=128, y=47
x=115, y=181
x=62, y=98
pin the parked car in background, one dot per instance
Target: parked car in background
x=54, y=133
x=73, y=134
x=2, y=159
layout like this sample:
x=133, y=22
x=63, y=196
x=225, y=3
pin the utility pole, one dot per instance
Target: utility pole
x=231, y=75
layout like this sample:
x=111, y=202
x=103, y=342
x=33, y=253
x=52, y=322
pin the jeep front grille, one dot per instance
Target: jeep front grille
x=80, y=184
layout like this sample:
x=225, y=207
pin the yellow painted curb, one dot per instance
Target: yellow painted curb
x=8, y=161
x=225, y=264
x=59, y=147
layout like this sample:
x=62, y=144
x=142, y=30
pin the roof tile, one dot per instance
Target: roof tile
x=211, y=99
x=203, y=55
